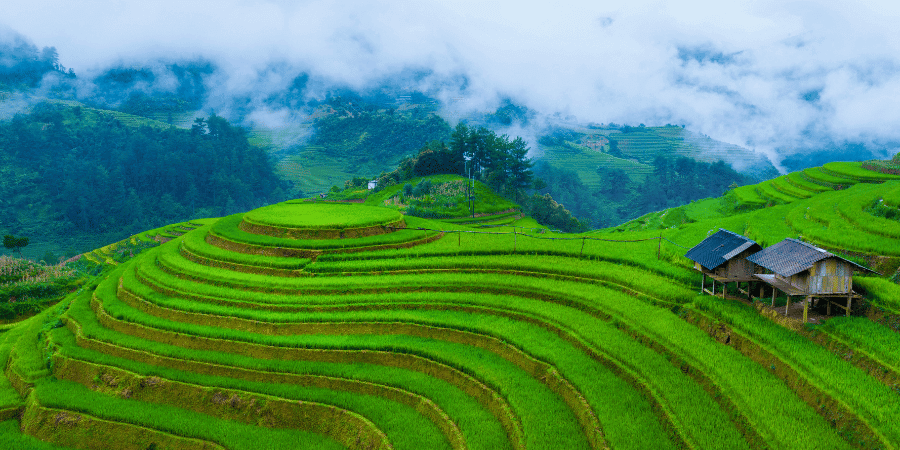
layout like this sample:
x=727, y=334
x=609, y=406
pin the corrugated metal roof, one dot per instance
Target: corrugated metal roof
x=713, y=251
x=790, y=257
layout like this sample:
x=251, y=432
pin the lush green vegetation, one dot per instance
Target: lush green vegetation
x=618, y=195
x=484, y=334
x=69, y=174
x=306, y=215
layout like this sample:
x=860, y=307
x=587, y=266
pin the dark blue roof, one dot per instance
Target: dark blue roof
x=790, y=257
x=715, y=250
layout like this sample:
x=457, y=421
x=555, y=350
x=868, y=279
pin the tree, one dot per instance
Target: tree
x=15, y=243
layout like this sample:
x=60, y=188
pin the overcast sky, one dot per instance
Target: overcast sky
x=768, y=75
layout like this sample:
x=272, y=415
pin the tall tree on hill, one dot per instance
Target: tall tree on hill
x=15, y=243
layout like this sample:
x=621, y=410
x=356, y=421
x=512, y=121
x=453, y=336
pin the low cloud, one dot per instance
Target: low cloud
x=776, y=77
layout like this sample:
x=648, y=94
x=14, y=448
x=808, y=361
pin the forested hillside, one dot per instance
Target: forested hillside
x=83, y=174
x=358, y=138
x=621, y=197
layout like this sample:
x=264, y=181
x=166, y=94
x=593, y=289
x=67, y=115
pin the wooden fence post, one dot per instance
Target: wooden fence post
x=582, y=248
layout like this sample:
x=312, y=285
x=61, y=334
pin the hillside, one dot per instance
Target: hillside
x=73, y=178
x=336, y=325
x=633, y=150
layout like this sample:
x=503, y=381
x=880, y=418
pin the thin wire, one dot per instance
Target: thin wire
x=538, y=237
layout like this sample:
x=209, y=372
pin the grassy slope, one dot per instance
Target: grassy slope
x=487, y=201
x=659, y=284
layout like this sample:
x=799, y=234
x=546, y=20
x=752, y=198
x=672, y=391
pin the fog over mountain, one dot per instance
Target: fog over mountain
x=778, y=77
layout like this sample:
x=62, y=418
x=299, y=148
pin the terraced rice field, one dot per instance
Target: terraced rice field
x=242, y=333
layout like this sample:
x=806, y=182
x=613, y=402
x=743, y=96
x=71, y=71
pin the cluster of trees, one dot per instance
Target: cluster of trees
x=618, y=199
x=496, y=160
x=66, y=170
x=493, y=159
x=22, y=65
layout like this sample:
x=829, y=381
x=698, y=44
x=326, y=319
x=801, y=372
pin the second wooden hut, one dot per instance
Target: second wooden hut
x=802, y=269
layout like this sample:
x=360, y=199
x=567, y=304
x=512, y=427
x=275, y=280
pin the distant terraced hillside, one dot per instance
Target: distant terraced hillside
x=335, y=325
x=585, y=149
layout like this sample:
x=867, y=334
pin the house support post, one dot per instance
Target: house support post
x=806, y=309
x=849, y=302
x=829, y=306
x=703, y=284
x=787, y=305
x=773, y=297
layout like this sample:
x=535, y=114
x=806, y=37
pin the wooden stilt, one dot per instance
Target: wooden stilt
x=714, y=286
x=761, y=287
x=773, y=297
x=787, y=305
x=829, y=306
x=806, y=309
x=849, y=303
x=703, y=284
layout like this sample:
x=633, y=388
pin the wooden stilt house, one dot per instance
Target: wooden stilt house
x=723, y=258
x=802, y=269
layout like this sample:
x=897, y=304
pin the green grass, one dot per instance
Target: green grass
x=196, y=243
x=475, y=422
x=526, y=395
x=401, y=423
x=797, y=179
x=854, y=171
x=881, y=291
x=747, y=195
x=818, y=175
x=534, y=333
x=783, y=185
x=471, y=280
x=230, y=434
x=767, y=190
x=863, y=395
x=11, y=437
x=318, y=215
x=227, y=228
x=879, y=342
x=446, y=200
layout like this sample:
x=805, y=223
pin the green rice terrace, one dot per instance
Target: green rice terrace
x=333, y=325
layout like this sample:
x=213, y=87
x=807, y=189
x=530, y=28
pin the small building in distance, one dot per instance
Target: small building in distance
x=372, y=184
x=723, y=257
x=802, y=269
